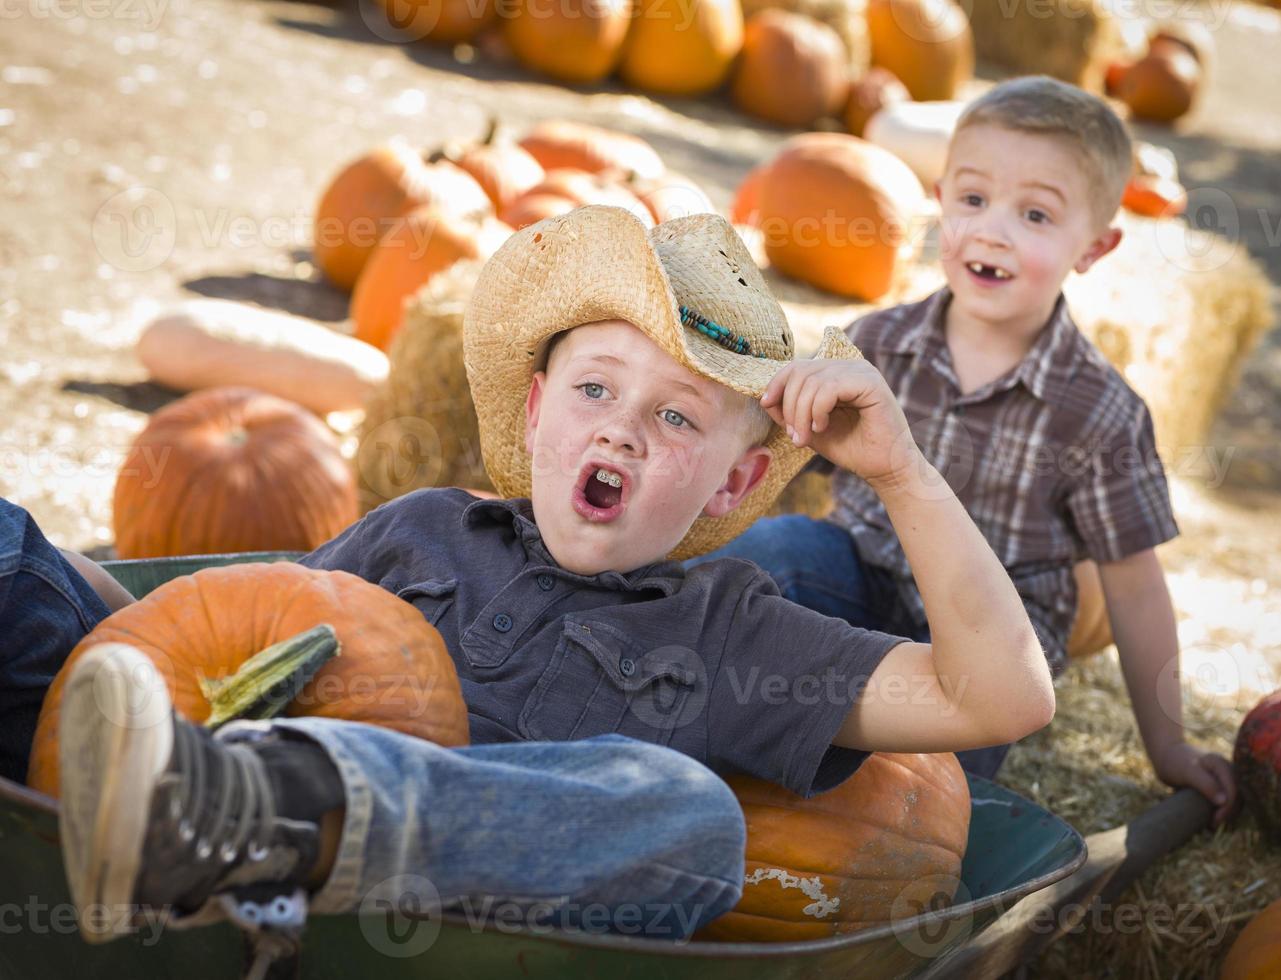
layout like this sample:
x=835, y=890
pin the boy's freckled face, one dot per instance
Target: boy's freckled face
x=1017, y=218
x=670, y=445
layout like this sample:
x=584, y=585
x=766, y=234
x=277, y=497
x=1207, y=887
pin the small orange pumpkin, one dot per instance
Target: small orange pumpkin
x=1154, y=197
x=888, y=841
x=561, y=144
x=574, y=41
x=230, y=470
x=869, y=95
x=393, y=669
x=424, y=243
x=839, y=213
x=682, y=47
x=927, y=44
x=793, y=71
x=1256, y=954
x=504, y=170
x=1162, y=86
x=370, y=193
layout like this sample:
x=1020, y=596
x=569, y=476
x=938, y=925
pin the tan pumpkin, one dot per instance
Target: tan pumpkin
x=839, y=213
x=208, y=343
x=393, y=669
x=682, y=47
x=927, y=44
x=1163, y=86
x=561, y=144
x=573, y=41
x=364, y=200
x=503, y=169
x=793, y=70
x=441, y=21
x=869, y=95
x=886, y=843
x=673, y=196
x=1256, y=954
x=230, y=470
x=423, y=244
x=746, y=207
x=579, y=188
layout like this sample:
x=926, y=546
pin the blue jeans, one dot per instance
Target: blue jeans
x=46, y=608
x=605, y=833
x=815, y=563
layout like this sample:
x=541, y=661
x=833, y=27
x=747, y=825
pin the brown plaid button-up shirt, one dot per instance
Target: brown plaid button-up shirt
x=1055, y=461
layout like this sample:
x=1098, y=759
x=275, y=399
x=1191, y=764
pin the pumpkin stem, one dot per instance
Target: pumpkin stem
x=491, y=132
x=265, y=683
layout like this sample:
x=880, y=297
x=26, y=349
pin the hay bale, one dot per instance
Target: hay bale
x=847, y=17
x=1074, y=40
x=420, y=427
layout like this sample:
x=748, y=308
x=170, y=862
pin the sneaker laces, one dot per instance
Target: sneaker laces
x=245, y=801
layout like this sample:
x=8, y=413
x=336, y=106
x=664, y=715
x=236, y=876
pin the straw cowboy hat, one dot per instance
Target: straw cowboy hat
x=688, y=284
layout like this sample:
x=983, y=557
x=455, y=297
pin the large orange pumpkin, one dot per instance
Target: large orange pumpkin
x=441, y=21
x=794, y=70
x=1256, y=954
x=839, y=213
x=884, y=843
x=370, y=193
x=229, y=470
x=682, y=47
x=928, y=44
x=573, y=41
x=423, y=244
x=529, y=209
x=746, y=207
x=560, y=143
x=393, y=669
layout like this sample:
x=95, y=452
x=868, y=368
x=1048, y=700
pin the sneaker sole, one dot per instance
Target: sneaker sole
x=115, y=740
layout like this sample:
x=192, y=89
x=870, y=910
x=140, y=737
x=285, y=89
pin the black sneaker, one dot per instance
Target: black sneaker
x=158, y=813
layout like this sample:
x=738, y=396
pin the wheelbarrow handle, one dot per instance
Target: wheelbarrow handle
x=1116, y=858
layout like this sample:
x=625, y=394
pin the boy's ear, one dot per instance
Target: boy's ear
x=743, y=478
x=533, y=404
x=1107, y=240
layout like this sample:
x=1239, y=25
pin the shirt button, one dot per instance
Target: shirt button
x=628, y=666
x=502, y=622
x=545, y=582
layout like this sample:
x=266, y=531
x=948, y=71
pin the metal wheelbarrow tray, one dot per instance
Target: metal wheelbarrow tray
x=1016, y=848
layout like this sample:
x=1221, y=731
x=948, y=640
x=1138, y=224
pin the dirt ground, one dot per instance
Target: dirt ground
x=154, y=150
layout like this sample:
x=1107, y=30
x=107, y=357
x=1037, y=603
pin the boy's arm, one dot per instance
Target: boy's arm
x=983, y=679
x=1143, y=627
x=109, y=590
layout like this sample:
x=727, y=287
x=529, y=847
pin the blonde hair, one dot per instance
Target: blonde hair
x=756, y=424
x=1044, y=106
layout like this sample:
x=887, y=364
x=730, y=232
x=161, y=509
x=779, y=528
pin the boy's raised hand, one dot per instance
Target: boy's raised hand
x=844, y=410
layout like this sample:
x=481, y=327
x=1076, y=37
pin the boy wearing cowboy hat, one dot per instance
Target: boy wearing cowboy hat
x=638, y=404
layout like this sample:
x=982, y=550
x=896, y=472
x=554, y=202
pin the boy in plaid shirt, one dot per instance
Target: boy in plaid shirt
x=1048, y=448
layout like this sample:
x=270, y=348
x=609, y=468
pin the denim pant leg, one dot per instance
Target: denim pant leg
x=46, y=608
x=601, y=833
x=815, y=563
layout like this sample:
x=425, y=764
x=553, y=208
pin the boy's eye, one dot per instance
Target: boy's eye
x=592, y=389
x=673, y=417
x=973, y=200
x=1037, y=216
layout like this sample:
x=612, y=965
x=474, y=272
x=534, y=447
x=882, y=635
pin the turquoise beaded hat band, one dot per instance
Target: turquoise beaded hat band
x=722, y=335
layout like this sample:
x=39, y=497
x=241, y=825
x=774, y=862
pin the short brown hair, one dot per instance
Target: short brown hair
x=1044, y=106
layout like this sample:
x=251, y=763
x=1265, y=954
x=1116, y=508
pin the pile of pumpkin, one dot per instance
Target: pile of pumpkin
x=789, y=66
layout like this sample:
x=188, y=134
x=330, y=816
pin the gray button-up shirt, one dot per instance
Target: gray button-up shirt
x=711, y=661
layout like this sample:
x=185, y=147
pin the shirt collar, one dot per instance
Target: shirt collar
x=1046, y=370
x=518, y=513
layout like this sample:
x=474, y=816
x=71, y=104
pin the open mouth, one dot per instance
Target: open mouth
x=988, y=273
x=599, y=493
